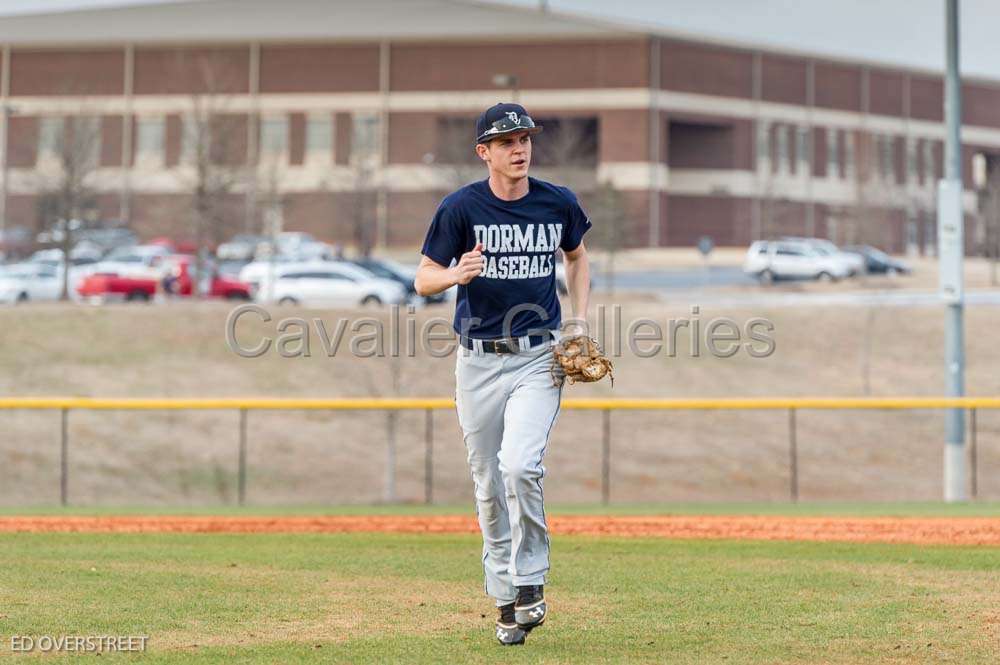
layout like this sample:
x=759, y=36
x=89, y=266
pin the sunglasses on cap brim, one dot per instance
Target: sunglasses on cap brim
x=506, y=125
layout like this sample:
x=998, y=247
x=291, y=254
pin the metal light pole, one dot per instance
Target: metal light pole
x=951, y=251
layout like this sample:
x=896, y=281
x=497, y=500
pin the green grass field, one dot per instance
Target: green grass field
x=407, y=598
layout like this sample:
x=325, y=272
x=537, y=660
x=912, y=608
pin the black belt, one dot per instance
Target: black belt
x=501, y=346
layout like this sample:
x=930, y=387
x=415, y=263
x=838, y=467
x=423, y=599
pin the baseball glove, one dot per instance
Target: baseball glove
x=579, y=358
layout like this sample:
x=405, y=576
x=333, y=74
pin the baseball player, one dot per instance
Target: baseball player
x=496, y=239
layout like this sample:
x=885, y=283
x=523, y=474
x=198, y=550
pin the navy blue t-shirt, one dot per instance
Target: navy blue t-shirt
x=519, y=243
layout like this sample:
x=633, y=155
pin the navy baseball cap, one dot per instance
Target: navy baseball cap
x=503, y=119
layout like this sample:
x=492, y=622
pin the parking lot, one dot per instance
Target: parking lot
x=112, y=265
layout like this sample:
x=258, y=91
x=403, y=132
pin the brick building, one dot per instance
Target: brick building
x=348, y=117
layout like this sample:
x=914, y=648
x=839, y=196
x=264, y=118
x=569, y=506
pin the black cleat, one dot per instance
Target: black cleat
x=508, y=632
x=529, y=608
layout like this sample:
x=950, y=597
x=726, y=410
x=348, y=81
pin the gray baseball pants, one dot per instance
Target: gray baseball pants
x=507, y=406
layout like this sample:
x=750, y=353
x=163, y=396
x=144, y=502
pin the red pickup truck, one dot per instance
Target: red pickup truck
x=103, y=286
x=178, y=281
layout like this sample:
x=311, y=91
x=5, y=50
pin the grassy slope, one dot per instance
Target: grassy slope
x=322, y=458
x=392, y=598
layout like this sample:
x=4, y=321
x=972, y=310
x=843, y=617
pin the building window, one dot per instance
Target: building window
x=50, y=138
x=763, y=144
x=274, y=138
x=804, y=150
x=216, y=139
x=886, y=163
x=850, y=140
x=74, y=139
x=365, y=140
x=930, y=233
x=568, y=142
x=833, y=153
x=150, y=132
x=453, y=143
x=912, y=175
x=912, y=232
x=929, y=165
x=781, y=139
x=87, y=141
x=319, y=138
x=192, y=136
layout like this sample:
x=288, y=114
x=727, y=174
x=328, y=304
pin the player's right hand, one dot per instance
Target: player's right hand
x=470, y=265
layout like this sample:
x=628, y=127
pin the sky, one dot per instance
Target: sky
x=903, y=32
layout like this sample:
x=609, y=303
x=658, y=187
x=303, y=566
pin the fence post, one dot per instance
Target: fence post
x=606, y=457
x=793, y=457
x=64, y=459
x=241, y=474
x=389, y=489
x=429, y=457
x=973, y=453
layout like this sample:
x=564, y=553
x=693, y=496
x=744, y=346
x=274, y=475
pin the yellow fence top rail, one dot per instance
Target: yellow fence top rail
x=402, y=403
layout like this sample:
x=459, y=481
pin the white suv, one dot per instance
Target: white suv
x=855, y=263
x=330, y=284
x=770, y=260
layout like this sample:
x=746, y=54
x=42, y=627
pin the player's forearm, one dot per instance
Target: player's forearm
x=578, y=284
x=431, y=280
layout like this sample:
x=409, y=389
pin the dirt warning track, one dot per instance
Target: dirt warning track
x=918, y=530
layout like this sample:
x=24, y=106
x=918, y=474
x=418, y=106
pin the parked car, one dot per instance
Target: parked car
x=293, y=242
x=258, y=272
x=878, y=262
x=771, y=260
x=106, y=239
x=134, y=261
x=178, y=280
x=855, y=265
x=81, y=254
x=231, y=267
x=242, y=247
x=330, y=284
x=54, y=257
x=40, y=280
x=24, y=282
x=14, y=241
x=404, y=275
x=181, y=274
x=102, y=287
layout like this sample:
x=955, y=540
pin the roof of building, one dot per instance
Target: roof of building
x=267, y=20
x=207, y=21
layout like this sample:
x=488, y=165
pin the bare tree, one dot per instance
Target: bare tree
x=612, y=226
x=869, y=215
x=567, y=152
x=72, y=155
x=363, y=203
x=214, y=152
x=354, y=191
x=990, y=207
x=214, y=181
x=775, y=207
x=455, y=155
x=364, y=170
